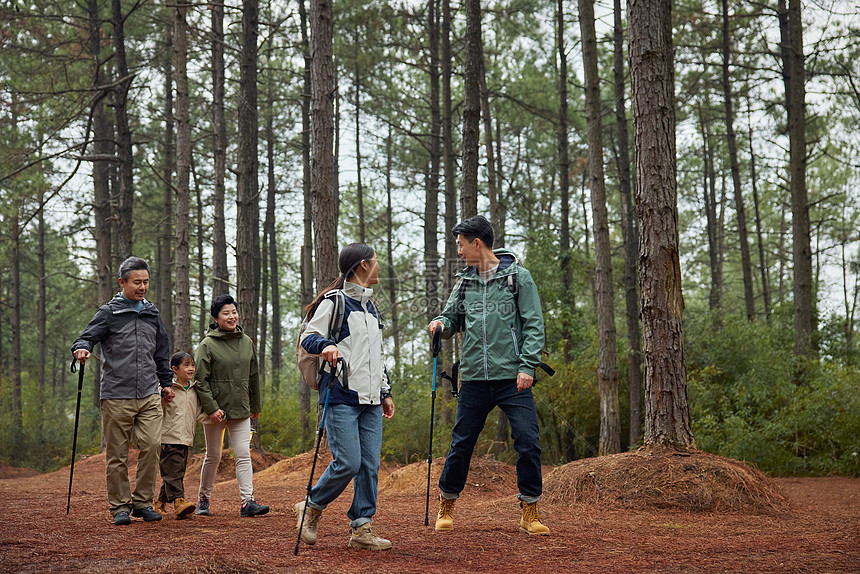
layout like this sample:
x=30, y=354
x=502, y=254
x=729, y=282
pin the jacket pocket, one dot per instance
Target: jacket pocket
x=514, y=336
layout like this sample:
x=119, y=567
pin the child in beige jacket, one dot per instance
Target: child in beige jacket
x=180, y=418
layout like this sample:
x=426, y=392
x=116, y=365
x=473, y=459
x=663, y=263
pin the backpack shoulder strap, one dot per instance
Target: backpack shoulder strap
x=336, y=321
x=514, y=285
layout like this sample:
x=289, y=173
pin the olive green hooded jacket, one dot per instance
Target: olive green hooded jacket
x=503, y=335
x=227, y=374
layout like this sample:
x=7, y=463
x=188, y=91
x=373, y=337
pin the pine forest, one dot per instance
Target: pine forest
x=680, y=178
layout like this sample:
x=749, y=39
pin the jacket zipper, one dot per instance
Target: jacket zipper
x=484, y=328
x=514, y=335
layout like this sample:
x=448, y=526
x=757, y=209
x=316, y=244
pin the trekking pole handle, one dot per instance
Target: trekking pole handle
x=436, y=346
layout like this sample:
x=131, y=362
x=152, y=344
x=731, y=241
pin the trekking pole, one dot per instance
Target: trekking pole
x=436, y=347
x=314, y=464
x=72, y=368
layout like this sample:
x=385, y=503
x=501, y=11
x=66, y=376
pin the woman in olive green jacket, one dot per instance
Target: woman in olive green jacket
x=228, y=386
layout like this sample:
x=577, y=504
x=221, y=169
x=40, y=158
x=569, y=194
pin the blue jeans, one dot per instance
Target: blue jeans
x=477, y=399
x=355, y=438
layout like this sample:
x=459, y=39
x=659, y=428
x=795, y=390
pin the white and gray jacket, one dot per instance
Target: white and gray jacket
x=360, y=344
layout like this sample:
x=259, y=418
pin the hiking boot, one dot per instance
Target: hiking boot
x=147, y=513
x=530, y=522
x=182, y=508
x=203, y=506
x=309, y=527
x=251, y=508
x=445, y=518
x=364, y=538
x=121, y=518
x=160, y=507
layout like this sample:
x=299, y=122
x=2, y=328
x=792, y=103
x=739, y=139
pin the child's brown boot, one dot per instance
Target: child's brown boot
x=182, y=508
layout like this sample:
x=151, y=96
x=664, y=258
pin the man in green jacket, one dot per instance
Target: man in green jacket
x=496, y=305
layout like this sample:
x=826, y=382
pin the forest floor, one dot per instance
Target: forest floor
x=816, y=531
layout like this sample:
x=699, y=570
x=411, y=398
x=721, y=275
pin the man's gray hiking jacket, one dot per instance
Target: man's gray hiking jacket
x=135, y=350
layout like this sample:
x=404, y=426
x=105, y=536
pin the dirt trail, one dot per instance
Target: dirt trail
x=819, y=533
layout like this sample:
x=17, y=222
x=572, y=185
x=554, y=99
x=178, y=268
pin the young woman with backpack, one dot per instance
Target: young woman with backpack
x=357, y=402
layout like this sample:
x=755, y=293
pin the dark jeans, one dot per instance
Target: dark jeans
x=174, y=459
x=477, y=399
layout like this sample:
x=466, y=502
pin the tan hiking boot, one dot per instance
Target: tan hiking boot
x=159, y=506
x=309, y=527
x=364, y=538
x=445, y=518
x=182, y=508
x=530, y=522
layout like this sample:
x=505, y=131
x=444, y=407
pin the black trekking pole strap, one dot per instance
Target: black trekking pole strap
x=73, y=368
x=338, y=368
x=454, y=378
x=546, y=369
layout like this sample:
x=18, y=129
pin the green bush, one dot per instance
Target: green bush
x=746, y=402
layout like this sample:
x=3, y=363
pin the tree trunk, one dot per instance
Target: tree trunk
x=501, y=222
x=492, y=187
x=102, y=147
x=182, y=332
x=125, y=192
x=247, y=189
x=448, y=155
x=103, y=215
x=389, y=248
x=431, y=195
x=794, y=77
x=220, y=271
x=765, y=288
x=849, y=296
x=630, y=235
x=711, y=226
x=607, y=369
x=740, y=210
x=336, y=163
x=359, y=190
x=307, y=262
x=264, y=300
x=667, y=415
x=201, y=267
x=274, y=277
x=15, y=261
x=563, y=160
x=264, y=248
x=162, y=273
x=272, y=251
x=323, y=186
x=449, y=161
x=41, y=318
x=471, y=109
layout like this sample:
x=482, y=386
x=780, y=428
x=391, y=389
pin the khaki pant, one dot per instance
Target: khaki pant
x=122, y=419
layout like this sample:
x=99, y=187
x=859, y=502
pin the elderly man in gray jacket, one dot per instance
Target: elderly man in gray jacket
x=135, y=371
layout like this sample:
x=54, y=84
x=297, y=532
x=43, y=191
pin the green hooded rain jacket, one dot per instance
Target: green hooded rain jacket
x=227, y=374
x=503, y=335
